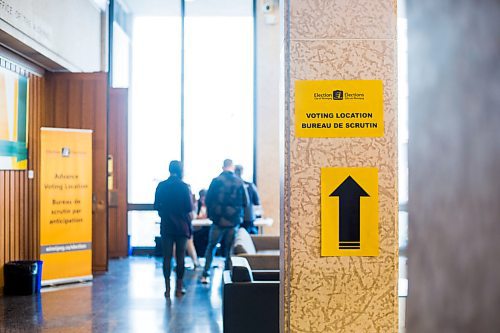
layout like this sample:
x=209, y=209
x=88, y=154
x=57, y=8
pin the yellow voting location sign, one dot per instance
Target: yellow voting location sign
x=65, y=204
x=349, y=212
x=339, y=108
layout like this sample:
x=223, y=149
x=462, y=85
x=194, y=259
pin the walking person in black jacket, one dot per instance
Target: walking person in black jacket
x=254, y=200
x=173, y=201
x=226, y=200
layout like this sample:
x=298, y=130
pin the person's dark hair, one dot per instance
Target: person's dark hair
x=227, y=163
x=238, y=170
x=175, y=168
x=202, y=193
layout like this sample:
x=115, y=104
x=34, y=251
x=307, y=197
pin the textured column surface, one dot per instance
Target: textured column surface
x=454, y=151
x=339, y=40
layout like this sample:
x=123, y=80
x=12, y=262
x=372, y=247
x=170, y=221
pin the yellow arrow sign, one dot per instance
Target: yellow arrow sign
x=349, y=212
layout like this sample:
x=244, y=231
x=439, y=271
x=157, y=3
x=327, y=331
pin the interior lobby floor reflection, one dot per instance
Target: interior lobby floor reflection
x=129, y=298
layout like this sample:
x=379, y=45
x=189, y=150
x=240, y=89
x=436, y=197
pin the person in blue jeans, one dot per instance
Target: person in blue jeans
x=226, y=200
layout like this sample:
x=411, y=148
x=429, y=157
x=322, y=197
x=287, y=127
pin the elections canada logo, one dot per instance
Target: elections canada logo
x=65, y=151
x=338, y=95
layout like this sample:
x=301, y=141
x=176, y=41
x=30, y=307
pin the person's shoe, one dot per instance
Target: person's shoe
x=194, y=267
x=179, y=289
x=180, y=292
x=167, y=293
x=204, y=280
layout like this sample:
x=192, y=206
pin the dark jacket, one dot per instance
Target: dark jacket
x=173, y=201
x=226, y=199
x=253, y=197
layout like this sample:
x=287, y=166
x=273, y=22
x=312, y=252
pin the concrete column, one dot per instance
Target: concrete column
x=454, y=166
x=338, y=40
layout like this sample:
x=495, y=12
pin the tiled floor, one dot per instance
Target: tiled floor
x=129, y=298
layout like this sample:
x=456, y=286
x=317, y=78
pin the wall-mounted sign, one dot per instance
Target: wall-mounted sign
x=13, y=121
x=349, y=212
x=342, y=108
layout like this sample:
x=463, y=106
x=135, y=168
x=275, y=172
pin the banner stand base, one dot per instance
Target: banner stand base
x=59, y=282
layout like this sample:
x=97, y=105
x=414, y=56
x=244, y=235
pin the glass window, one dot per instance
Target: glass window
x=121, y=52
x=403, y=126
x=218, y=100
x=144, y=226
x=403, y=109
x=154, y=118
x=218, y=92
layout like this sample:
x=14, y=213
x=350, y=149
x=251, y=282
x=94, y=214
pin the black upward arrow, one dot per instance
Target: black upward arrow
x=349, y=193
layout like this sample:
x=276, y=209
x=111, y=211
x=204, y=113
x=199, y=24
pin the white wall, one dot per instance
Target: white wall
x=58, y=34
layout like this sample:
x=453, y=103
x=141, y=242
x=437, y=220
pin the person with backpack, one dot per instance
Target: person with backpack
x=253, y=197
x=226, y=200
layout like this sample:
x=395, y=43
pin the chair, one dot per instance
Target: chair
x=250, y=299
x=262, y=252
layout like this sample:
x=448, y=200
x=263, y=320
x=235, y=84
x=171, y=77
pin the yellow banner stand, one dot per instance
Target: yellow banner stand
x=66, y=205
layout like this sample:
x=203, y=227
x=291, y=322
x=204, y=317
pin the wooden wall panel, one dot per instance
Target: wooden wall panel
x=37, y=100
x=78, y=100
x=19, y=216
x=117, y=148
